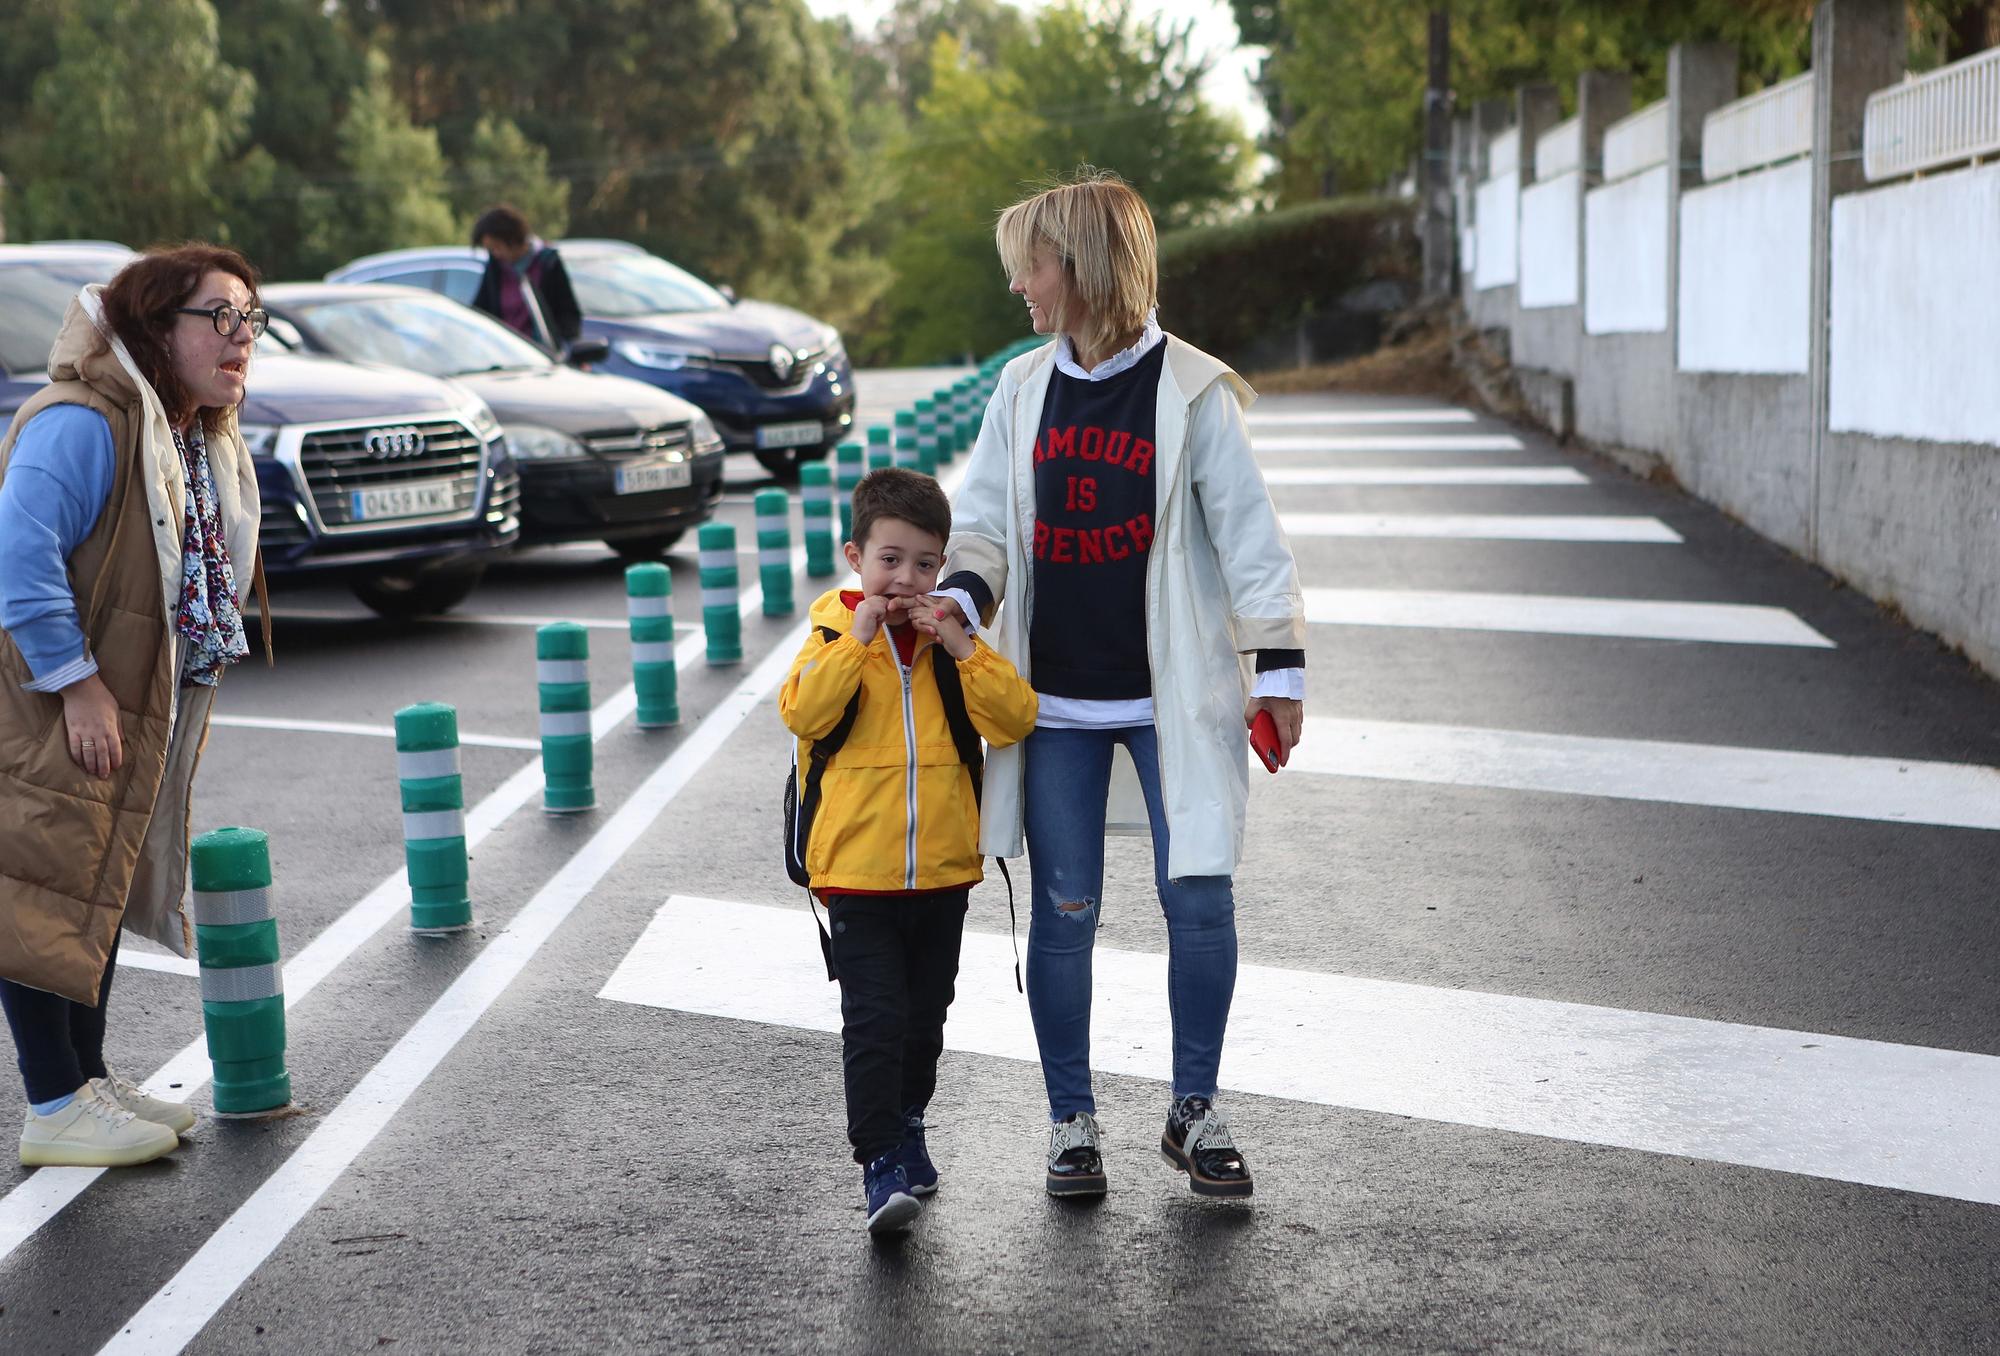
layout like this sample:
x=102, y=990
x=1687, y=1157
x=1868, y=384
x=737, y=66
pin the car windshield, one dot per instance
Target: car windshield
x=33, y=298
x=436, y=337
x=636, y=284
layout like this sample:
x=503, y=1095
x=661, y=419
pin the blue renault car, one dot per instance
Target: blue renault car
x=776, y=382
x=398, y=484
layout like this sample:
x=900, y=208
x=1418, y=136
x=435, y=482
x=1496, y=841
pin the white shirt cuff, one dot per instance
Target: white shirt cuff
x=1288, y=683
x=964, y=601
x=55, y=680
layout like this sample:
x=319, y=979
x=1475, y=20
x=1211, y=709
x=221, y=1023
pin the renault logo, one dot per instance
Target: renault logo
x=394, y=444
x=782, y=362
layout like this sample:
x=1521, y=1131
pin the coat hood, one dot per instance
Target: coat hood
x=87, y=350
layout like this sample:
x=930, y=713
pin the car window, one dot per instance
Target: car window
x=460, y=284
x=426, y=278
x=436, y=337
x=636, y=284
x=33, y=300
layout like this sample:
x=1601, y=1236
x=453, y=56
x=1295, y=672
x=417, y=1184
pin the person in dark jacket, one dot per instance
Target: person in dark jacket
x=519, y=263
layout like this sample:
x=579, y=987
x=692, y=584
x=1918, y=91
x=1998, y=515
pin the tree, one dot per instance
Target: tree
x=501, y=165
x=393, y=191
x=112, y=144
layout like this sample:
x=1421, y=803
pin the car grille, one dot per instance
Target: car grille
x=632, y=443
x=761, y=373
x=281, y=528
x=337, y=462
x=503, y=505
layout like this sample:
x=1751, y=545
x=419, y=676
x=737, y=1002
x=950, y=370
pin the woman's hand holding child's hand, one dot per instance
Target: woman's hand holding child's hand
x=938, y=619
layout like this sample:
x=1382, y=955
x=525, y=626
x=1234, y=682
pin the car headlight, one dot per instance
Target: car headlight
x=261, y=439
x=532, y=442
x=702, y=429
x=484, y=422
x=660, y=357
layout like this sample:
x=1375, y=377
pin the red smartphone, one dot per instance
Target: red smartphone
x=1264, y=739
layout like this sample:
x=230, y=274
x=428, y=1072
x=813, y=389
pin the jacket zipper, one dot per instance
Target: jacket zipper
x=910, y=767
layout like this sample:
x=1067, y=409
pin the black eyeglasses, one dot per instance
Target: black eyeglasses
x=227, y=319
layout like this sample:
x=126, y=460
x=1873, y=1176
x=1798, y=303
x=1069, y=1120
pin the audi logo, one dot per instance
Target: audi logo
x=394, y=444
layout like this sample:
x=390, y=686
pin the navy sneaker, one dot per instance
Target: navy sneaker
x=891, y=1207
x=916, y=1159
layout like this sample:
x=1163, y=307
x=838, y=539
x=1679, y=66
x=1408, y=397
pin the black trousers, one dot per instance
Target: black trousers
x=60, y=1043
x=896, y=957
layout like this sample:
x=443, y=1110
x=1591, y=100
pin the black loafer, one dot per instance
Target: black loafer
x=1075, y=1166
x=1197, y=1142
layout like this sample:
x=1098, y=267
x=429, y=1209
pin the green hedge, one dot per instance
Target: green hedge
x=1231, y=287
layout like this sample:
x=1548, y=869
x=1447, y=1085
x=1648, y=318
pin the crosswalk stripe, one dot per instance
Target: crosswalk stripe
x=1481, y=526
x=1292, y=418
x=1895, y=790
x=1386, y=442
x=1851, y=1110
x=1424, y=475
x=1722, y=623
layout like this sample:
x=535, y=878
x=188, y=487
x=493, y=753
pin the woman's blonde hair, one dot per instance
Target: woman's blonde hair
x=1103, y=233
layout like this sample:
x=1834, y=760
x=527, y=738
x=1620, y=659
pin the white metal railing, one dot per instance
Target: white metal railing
x=1769, y=126
x=1636, y=143
x=1929, y=120
x=1503, y=154
x=1559, y=150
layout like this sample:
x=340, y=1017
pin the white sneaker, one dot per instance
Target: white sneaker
x=176, y=1116
x=93, y=1131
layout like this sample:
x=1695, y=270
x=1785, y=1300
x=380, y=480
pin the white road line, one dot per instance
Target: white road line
x=1424, y=475
x=1883, y=1115
x=129, y=958
x=451, y=618
x=341, y=727
x=1721, y=623
x=42, y=1196
x=180, y=1309
x=1481, y=526
x=1894, y=790
x=1287, y=418
x=1386, y=442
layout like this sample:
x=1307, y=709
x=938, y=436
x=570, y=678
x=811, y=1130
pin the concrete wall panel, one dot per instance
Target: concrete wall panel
x=1625, y=255
x=1549, y=242
x=1499, y=219
x=1916, y=310
x=1746, y=273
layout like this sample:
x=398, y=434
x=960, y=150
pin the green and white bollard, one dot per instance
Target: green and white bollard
x=562, y=673
x=847, y=476
x=816, y=501
x=927, y=436
x=774, y=551
x=880, y=459
x=433, y=817
x=906, y=439
x=879, y=441
x=649, y=609
x=719, y=600
x=242, y=982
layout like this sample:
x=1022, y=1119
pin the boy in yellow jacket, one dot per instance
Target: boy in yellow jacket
x=894, y=845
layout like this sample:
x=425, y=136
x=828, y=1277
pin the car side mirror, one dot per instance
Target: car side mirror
x=584, y=352
x=728, y=292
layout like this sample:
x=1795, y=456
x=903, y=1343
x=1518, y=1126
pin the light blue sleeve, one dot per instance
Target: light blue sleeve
x=58, y=482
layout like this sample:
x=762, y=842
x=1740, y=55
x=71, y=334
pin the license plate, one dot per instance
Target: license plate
x=643, y=478
x=417, y=499
x=788, y=435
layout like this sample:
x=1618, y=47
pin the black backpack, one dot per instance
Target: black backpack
x=802, y=800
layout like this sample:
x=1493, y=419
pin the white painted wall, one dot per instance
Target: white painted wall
x=1916, y=309
x=1549, y=244
x=1746, y=272
x=1625, y=256
x=1498, y=219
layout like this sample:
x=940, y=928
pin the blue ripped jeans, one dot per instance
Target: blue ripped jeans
x=1068, y=779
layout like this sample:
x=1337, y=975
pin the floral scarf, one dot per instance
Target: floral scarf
x=209, y=615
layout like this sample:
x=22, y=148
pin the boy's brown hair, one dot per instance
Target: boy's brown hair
x=893, y=492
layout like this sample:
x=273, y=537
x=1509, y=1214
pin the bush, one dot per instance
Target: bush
x=1244, y=289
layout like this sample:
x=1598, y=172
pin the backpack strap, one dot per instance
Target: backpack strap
x=952, y=692
x=822, y=752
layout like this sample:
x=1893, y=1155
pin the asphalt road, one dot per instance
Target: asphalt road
x=1605, y=989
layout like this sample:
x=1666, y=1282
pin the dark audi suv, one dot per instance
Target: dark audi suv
x=601, y=458
x=776, y=382
x=396, y=483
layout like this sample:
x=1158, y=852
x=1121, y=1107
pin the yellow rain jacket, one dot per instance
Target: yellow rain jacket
x=896, y=810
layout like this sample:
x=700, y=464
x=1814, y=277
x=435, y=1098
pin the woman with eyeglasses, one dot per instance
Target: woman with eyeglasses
x=128, y=523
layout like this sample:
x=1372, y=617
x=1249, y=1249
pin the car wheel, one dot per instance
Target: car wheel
x=419, y=592
x=783, y=462
x=646, y=548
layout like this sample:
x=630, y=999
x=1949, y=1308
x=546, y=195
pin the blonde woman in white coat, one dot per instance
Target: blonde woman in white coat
x=1112, y=501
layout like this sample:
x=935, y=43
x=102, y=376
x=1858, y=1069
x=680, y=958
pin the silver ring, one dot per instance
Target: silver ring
x=90, y=743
